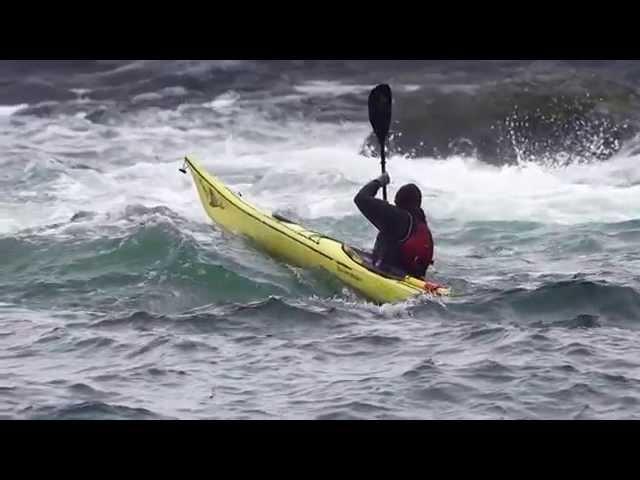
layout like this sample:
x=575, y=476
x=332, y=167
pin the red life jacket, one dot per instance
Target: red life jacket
x=416, y=251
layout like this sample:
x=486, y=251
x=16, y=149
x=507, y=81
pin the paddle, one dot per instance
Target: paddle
x=380, y=118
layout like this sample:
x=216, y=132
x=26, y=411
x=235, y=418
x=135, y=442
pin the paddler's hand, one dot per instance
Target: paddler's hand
x=383, y=179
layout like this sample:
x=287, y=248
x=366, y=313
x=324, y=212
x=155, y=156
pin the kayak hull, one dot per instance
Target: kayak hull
x=301, y=247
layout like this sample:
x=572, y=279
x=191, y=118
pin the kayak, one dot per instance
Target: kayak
x=299, y=246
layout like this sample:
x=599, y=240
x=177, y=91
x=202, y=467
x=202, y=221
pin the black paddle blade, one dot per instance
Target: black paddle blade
x=380, y=111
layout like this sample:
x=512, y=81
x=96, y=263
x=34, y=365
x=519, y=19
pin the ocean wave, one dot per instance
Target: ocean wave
x=122, y=260
x=92, y=410
x=566, y=304
x=499, y=111
x=512, y=122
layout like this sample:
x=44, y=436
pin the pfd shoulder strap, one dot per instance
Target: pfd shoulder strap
x=410, y=230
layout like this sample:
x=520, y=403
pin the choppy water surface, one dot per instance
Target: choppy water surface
x=119, y=299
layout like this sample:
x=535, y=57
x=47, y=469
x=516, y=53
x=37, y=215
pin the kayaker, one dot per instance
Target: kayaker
x=404, y=240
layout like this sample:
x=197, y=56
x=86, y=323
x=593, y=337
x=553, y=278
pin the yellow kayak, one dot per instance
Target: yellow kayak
x=298, y=246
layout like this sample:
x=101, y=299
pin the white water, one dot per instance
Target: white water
x=8, y=110
x=309, y=167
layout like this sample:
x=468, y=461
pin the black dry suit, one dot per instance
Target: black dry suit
x=404, y=242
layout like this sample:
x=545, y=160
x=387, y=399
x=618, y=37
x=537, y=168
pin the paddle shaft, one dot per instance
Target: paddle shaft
x=383, y=164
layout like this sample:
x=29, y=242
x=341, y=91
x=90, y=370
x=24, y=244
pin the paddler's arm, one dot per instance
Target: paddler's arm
x=390, y=220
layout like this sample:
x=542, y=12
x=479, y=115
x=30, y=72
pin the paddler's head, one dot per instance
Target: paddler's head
x=409, y=197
